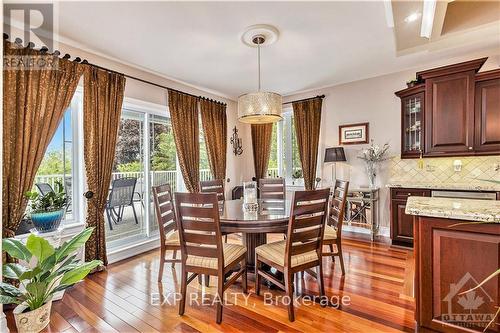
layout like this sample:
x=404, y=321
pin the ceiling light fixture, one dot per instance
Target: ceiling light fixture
x=412, y=17
x=427, y=18
x=259, y=107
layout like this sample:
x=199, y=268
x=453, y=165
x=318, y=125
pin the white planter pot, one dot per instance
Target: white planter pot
x=32, y=321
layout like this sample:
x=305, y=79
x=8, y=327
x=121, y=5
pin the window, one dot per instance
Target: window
x=59, y=162
x=284, y=159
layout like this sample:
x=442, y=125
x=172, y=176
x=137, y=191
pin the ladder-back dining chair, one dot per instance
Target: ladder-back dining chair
x=202, y=249
x=302, y=248
x=272, y=188
x=333, y=229
x=167, y=225
x=214, y=186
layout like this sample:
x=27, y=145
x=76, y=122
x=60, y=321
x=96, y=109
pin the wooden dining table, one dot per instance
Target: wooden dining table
x=269, y=217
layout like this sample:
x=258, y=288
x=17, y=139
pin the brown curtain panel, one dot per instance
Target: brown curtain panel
x=184, y=116
x=261, y=145
x=102, y=106
x=213, y=119
x=34, y=101
x=307, y=120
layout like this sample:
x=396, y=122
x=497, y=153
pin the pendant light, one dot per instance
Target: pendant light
x=259, y=107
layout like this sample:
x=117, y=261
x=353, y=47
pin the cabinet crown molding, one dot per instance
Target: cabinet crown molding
x=474, y=65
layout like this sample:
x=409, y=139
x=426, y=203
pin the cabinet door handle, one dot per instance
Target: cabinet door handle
x=409, y=194
x=470, y=148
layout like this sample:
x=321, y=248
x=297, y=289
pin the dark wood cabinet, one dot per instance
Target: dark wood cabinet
x=449, y=114
x=487, y=114
x=401, y=223
x=412, y=121
x=452, y=257
x=453, y=111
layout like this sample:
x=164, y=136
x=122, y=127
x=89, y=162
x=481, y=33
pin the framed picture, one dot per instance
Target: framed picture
x=353, y=134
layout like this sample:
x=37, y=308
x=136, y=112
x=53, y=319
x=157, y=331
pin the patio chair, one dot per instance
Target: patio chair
x=120, y=196
x=44, y=188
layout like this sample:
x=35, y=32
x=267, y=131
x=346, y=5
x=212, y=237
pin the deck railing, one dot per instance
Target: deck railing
x=156, y=178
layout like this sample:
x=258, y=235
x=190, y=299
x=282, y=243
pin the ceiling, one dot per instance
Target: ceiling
x=320, y=43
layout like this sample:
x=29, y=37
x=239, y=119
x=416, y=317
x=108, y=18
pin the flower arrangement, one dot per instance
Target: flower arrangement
x=372, y=155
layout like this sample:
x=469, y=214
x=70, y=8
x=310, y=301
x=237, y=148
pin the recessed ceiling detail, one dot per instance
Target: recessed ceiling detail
x=320, y=43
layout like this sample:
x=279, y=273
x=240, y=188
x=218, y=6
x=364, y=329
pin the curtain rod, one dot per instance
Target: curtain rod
x=44, y=49
x=305, y=99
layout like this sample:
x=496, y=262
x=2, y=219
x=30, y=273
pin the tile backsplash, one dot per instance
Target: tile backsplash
x=441, y=170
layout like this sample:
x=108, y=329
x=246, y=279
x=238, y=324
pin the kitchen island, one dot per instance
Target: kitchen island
x=455, y=250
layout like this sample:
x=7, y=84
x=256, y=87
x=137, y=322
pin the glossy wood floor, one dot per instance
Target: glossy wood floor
x=378, y=281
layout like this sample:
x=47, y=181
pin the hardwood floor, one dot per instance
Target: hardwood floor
x=378, y=283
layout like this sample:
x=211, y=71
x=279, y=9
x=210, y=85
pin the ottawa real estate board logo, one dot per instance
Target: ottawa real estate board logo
x=475, y=308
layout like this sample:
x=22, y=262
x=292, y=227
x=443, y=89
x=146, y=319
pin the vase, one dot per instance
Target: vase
x=47, y=221
x=32, y=321
x=370, y=171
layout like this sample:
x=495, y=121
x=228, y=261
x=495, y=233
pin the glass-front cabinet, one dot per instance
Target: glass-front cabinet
x=412, y=124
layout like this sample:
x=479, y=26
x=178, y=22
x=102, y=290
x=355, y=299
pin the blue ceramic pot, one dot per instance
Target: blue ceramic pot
x=47, y=221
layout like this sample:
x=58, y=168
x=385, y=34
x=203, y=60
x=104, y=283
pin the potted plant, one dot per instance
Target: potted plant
x=296, y=176
x=49, y=270
x=48, y=210
x=411, y=83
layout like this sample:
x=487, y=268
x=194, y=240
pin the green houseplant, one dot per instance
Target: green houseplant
x=49, y=270
x=47, y=210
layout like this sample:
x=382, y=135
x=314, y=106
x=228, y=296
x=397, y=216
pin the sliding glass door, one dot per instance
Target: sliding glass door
x=125, y=211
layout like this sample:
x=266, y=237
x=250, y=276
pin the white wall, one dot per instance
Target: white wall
x=370, y=100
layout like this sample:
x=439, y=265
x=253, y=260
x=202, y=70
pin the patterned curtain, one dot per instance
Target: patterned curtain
x=102, y=106
x=261, y=145
x=307, y=120
x=34, y=101
x=213, y=119
x=184, y=116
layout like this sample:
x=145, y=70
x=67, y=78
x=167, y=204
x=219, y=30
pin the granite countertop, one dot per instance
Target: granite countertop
x=460, y=209
x=483, y=186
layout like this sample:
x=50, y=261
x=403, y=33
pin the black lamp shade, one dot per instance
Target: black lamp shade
x=335, y=154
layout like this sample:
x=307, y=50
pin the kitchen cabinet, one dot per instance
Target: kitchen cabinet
x=452, y=256
x=449, y=114
x=402, y=223
x=487, y=112
x=412, y=110
x=453, y=111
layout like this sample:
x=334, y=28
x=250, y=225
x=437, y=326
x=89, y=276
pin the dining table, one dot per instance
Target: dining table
x=270, y=216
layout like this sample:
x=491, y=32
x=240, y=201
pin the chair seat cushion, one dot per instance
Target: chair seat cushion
x=172, y=238
x=275, y=252
x=231, y=253
x=330, y=233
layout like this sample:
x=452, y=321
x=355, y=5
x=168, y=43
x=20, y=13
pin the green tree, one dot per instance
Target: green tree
x=273, y=158
x=135, y=166
x=164, y=154
x=52, y=163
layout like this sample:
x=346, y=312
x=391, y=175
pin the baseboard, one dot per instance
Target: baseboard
x=382, y=231
x=132, y=250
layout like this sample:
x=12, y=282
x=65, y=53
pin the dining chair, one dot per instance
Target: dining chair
x=201, y=246
x=272, y=188
x=214, y=186
x=333, y=228
x=302, y=248
x=167, y=225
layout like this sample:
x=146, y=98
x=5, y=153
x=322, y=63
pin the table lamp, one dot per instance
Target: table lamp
x=334, y=155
